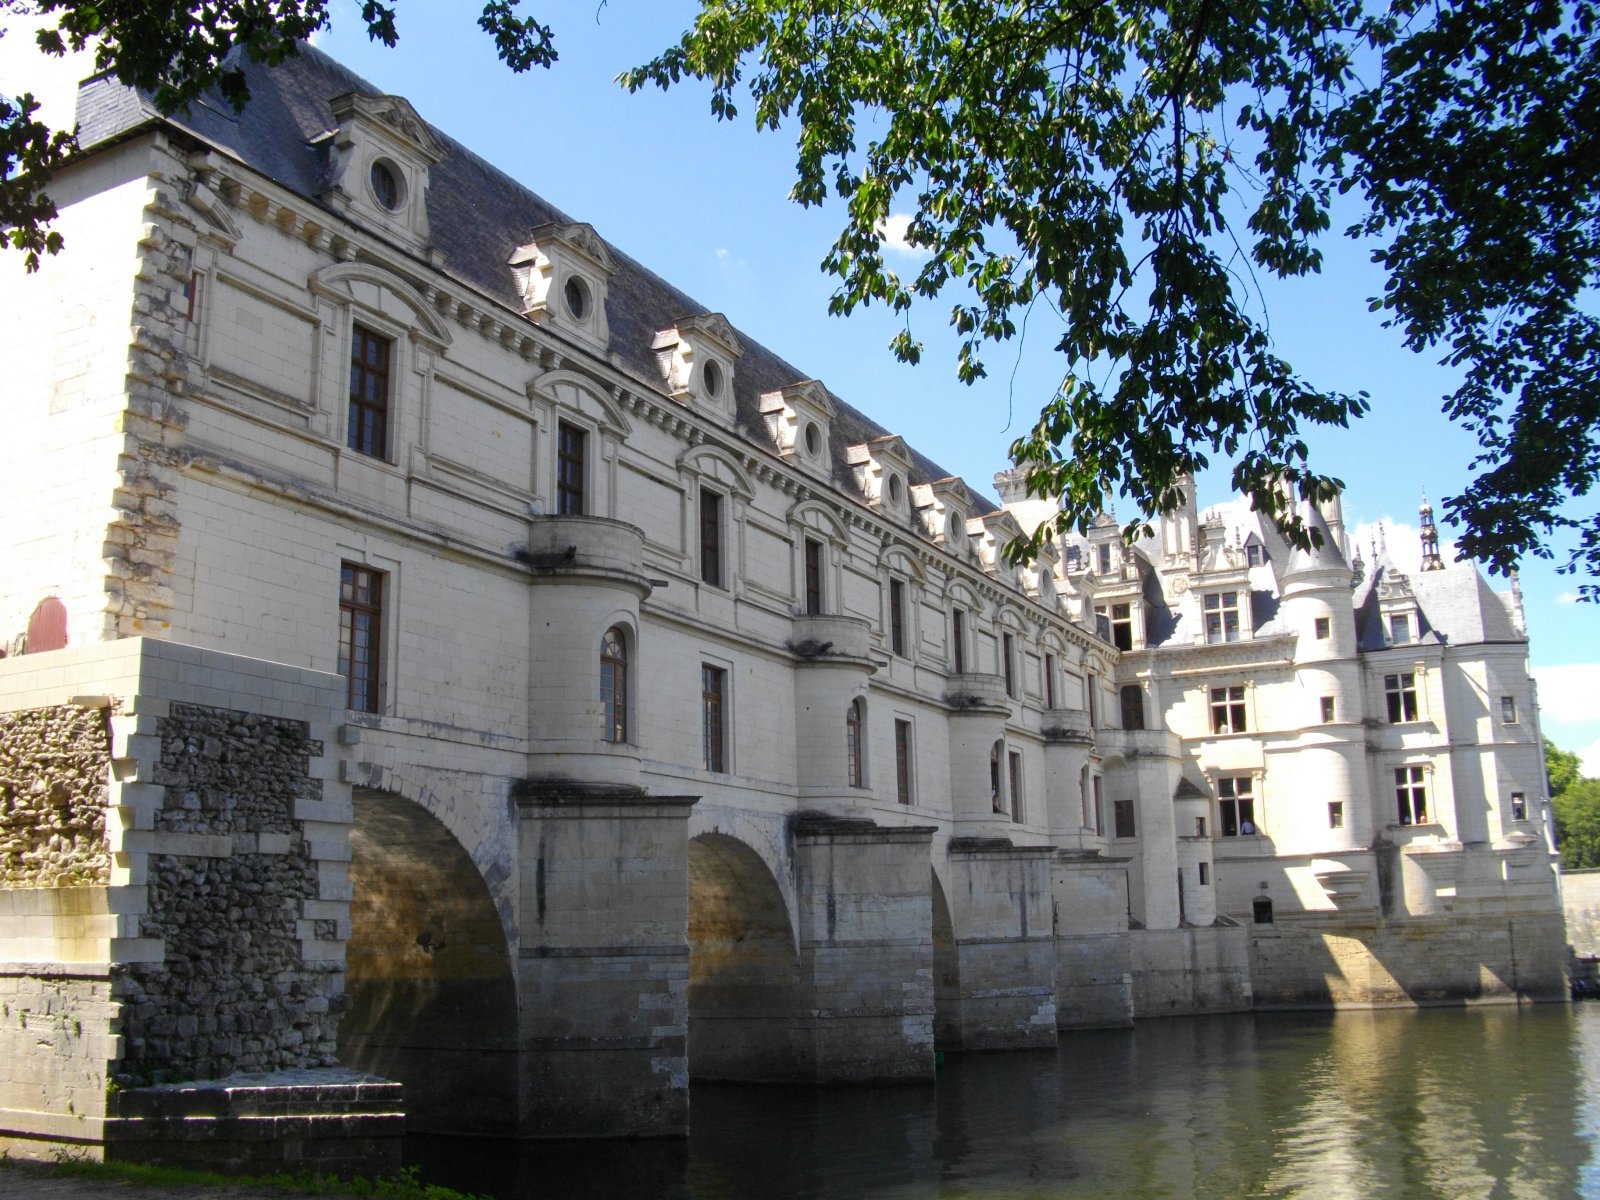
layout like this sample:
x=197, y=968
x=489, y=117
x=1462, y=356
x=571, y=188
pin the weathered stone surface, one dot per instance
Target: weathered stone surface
x=55, y=767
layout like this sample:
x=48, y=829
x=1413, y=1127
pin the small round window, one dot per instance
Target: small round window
x=386, y=188
x=895, y=489
x=813, y=439
x=577, y=294
x=712, y=374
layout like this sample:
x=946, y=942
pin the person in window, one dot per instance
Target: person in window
x=1246, y=827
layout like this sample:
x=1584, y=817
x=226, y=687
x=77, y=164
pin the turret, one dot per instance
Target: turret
x=1430, y=538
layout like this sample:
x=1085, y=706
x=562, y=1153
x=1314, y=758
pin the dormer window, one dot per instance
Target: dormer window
x=379, y=156
x=1222, y=617
x=696, y=358
x=1400, y=628
x=944, y=505
x=561, y=273
x=386, y=189
x=798, y=418
x=881, y=468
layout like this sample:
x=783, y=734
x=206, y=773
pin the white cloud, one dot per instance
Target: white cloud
x=53, y=81
x=894, y=229
x=1570, y=693
x=728, y=261
x=1589, y=760
x=1567, y=598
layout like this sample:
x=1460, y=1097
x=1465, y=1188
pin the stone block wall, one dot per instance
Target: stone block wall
x=55, y=769
x=1580, y=897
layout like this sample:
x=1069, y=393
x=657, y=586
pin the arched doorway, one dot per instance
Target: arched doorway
x=743, y=967
x=946, y=972
x=428, y=980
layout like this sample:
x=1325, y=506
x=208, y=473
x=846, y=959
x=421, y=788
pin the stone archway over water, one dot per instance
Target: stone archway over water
x=431, y=996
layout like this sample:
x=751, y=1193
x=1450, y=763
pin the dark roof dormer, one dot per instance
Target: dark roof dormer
x=379, y=157
x=882, y=469
x=561, y=273
x=697, y=358
x=798, y=418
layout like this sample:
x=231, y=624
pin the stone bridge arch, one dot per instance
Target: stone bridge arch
x=430, y=989
x=744, y=965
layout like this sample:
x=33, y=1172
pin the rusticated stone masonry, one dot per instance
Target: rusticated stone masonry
x=55, y=769
x=234, y=991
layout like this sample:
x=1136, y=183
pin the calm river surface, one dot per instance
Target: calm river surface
x=1440, y=1103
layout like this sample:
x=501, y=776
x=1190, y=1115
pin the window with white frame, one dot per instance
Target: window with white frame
x=1236, y=806
x=1222, y=617
x=614, y=685
x=1411, y=795
x=1228, y=709
x=1400, y=695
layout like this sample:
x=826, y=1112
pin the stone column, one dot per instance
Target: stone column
x=1094, y=979
x=1000, y=906
x=866, y=951
x=603, y=964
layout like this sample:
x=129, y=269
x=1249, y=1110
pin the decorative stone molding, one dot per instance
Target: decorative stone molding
x=697, y=357
x=799, y=418
x=378, y=162
x=562, y=273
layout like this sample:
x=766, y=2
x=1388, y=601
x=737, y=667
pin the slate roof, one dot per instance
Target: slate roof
x=1456, y=605
x=478, y=215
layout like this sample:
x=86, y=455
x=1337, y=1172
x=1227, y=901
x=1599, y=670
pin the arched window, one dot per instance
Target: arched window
x=614, y=684
x=855, y=763
x=1132, y=706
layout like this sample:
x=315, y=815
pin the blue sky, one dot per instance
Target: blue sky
x=704, y=204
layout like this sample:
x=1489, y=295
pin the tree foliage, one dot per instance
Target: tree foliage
x=1133, y=164
x=1561, y=767
x=1575, y=801
x=175, y=50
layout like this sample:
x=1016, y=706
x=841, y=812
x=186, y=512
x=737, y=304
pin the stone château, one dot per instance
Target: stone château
x=439, y=648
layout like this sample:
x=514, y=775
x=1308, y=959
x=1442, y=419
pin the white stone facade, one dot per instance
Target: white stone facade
x=813, y=618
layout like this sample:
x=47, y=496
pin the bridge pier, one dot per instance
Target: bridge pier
x=1004, y=947
x=603, y=963
x=866, y=951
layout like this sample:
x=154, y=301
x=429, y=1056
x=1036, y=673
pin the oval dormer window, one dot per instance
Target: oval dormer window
x=386, y=189
x=577, y=296
x=895, y=491
x=813, y=439
x=713, y=379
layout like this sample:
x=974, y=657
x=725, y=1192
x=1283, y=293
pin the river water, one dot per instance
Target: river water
x=1447, y=1103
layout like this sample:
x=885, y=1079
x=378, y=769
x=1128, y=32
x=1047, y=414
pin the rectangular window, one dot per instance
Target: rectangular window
x=710, y=537
x=1008, y=654
x=1222, y=617
x=1400, y=629
x=1122, y=626
x=1236, y=805
x=1411, y=795
x=1092, y=691
x=1105, y=560
x=1253, y=555
x=902, y=761
x=361, y=636
x=1400, y=691
x=1324, y=628
x=571, y=447
x=1049, y=680
x=1227, y=709
x=1122, y=815
x=1335, y=814
x=1519, y=806
x=1327, y=710
x=368, y=429
x=191, y=295
x=813, y=551
x=1099, y=807
x=1199, y=827
x=1508, y=709
x=714, y=717
x=1015, y=779
x=1205, y=873
x=897, y=617
x=958, y=640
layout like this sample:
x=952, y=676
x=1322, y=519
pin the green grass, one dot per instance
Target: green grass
x=404, y=1185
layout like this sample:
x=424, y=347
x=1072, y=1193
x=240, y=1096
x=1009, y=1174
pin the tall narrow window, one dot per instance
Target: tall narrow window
x=902, y=761
x=1132, y=706
x=1049, y=680
x=361, y=636
x=958, y=640
x=1411, y=795
x=813, y=552
x=1092, y=691
x=1400, y=691
x=713, y=718
x=1014, y=778
x=1519, y=806
x=571, y=448
x=1122, y=626
x=1327, y=710
x=1105, y=559
x=1222, y=617
x=897, y=617
x=711, y=537
x=1236, y=803
x=1122, y=818
x=614, y=685
x=1227, y=709
x=368, y=429
x=1099, y=807
x=1008, y=655
x=1335, y=814
x=1508, y=709
x=996, y=796
x=855, y=766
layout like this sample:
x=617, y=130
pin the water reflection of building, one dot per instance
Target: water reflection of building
x=682, y=720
